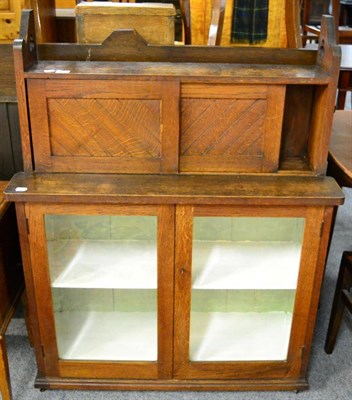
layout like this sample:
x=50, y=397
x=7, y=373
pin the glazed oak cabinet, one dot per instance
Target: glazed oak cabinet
x=175, y=287
x=173, y=212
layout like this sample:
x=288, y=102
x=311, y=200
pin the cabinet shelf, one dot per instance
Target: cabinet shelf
x=236, y=336
x=103, y=264
x=218, y=265
x=245, y=265
x=123, y=336
x=233, y=73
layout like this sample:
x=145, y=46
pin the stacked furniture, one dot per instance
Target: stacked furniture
x=10, y=12
x=10, y=150
x=174, y=210
x=343, y=32
x=10, y=18
x=10, y=15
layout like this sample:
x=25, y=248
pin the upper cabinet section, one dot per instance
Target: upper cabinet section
x=124, y=106
x=137, y=126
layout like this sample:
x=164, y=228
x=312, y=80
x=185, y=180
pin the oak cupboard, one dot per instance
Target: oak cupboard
x=188, y=282
x=173, y=212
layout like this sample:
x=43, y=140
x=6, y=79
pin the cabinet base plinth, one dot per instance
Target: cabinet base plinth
x=172, y=385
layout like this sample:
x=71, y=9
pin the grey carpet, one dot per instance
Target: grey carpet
x=330, y=376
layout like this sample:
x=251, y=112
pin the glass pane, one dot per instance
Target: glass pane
x=103, y=272
x=244, y=279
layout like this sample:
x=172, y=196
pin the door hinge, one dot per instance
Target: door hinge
x=27, y=226
x=43, y=353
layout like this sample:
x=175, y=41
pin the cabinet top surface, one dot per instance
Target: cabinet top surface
x=174, y=189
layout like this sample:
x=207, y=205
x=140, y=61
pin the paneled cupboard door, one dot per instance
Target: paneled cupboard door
x=104, y=126
x=103, y=282
x=243, y=277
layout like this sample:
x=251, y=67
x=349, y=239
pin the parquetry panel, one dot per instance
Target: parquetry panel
x=105, y=127
x=222, y=127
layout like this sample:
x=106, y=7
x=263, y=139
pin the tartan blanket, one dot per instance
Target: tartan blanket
x=250, y=21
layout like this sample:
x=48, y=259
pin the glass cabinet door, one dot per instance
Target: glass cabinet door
x=244, y=279
x=103, y=272
x=241, y=273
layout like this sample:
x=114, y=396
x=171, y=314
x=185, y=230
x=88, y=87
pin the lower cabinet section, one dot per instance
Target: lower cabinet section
x=173, y=296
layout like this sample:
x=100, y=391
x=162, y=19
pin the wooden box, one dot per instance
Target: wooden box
x=154, y=21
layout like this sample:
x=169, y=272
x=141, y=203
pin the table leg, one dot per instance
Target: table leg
x=344, y=281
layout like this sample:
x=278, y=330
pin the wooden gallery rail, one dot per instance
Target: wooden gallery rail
x=174, y=210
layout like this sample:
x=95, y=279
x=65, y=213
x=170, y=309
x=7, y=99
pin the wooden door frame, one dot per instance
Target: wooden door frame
x=292, y=367
x=54, y=367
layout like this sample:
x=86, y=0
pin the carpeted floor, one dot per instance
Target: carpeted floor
x=330, y=376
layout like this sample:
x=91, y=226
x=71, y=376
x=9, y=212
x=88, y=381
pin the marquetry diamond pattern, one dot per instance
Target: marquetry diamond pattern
x=222, y=127
x=105, y=127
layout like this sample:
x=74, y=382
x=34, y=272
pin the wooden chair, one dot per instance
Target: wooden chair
x=340, y=167
x=45, y=20
x=345, y=76
x=185, y=7
x=216, y=24
x=343, y=33
x=342, y=299
x=209, y=22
